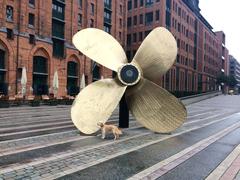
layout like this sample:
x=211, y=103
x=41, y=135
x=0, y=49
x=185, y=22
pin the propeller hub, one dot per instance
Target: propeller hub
x=129, y=74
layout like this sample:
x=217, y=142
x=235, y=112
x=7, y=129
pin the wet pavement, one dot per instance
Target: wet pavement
x=42, y=143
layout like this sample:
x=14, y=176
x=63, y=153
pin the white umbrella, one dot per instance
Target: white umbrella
x=55, y=83
x=83, y=83
x=24, y=81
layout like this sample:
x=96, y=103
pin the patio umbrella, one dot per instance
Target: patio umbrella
x=24, y=81
x=55, y=83
x=82, y=83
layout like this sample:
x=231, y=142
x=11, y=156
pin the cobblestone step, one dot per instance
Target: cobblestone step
x=63, y=147
x=70, y=162
x=18, y=144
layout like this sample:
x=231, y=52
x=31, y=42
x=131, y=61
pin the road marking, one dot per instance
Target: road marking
x=168, y=164
x=222, y=168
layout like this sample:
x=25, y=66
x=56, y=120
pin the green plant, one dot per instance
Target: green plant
x=4, y=102
x=36, y=101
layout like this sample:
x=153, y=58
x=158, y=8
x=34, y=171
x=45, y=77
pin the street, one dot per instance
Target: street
x=42, y=143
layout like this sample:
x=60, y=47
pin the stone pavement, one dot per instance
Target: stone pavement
x=42, y=143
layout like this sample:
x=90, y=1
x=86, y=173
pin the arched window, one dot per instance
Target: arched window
x=40, y=75
x=96, y=72
x=3, y=84
x=72, y=78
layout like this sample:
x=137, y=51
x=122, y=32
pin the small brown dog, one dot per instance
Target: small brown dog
x=105, y=128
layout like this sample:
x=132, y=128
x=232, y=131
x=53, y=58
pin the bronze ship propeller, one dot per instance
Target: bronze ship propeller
x=151, y=105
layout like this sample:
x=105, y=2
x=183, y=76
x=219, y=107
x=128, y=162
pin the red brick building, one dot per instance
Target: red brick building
x=200, y=50
x=38, y=35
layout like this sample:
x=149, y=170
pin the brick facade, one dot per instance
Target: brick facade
x=18, y=52
x=198, y=61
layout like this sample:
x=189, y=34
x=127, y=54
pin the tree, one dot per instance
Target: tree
x=222, y=78
x=231, y=81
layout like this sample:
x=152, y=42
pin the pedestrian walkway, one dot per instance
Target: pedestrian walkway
x=42, y=143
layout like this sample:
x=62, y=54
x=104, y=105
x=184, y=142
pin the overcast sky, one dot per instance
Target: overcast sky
x=224, y=15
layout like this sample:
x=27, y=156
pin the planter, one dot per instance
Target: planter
x=34, y=103
x=4, y=104
x=68, y=101
x=52, y=102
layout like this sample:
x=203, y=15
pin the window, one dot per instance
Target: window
x=72, y=68
x=177, y=78
x=10, y=34
x=107, y=28
x=179, y=11
x=178, y=43
x=58, y=48
x=179, y=27
x=148, y=2
x=168, y=19
x=129, y=22
x=2, y=61
x=135, y=3
x=91, y=23
x=58, y=10
x=140, y=36
x=141, y=3
x=134, y=37
x=147, y=32
x=108, y=4
x=92, y=8
x=141, y=19
x=107, y=17
x=148, y=18
x=120, y=35
x=32, y=3
x=120, y=22
x=31, y=19
x=80, y=19
x=135, y=20
x=168, y=5
x=80, y=3
x=31, y=39
x=128, y=54
x=129, y=39
x=39, y=64
x=157, y=15
x=178, y=58
x=129, y=5
x=9, y=13
x=121, y=9
x=72, y=78
x=57, y=29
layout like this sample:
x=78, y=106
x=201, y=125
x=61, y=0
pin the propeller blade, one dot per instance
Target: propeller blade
x=156, y=54
x=154, y=107
x=100, y=47
x=95, y=104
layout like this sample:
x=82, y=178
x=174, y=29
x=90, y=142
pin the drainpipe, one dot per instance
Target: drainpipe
x=17, y=53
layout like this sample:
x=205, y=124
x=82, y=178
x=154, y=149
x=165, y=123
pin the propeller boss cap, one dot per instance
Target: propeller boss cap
x=129, y=74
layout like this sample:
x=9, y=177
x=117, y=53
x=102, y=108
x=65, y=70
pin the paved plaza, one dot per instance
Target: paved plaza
x=42, y=143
